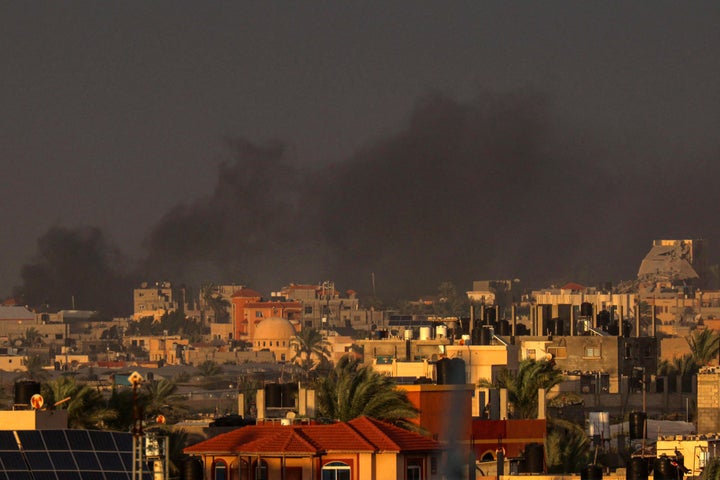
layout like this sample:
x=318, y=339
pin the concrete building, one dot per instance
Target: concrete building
x=323, y=306
x=153, y=300
x=708, y=400
x=361, y=449
x=274, y=334
x=166, y=349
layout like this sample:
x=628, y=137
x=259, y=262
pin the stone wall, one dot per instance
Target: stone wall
x=708, y=400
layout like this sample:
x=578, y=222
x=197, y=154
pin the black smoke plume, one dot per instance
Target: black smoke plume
x=496, y=187
x=76, y=268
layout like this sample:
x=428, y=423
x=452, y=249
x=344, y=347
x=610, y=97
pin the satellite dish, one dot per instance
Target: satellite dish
x=37, y=401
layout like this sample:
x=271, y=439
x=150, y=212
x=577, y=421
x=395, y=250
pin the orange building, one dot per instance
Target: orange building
x=249, y=309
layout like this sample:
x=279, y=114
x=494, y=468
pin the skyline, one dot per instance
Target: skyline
x=483, y=140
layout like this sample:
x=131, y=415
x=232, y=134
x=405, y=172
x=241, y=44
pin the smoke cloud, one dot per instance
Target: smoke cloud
x=496, y=187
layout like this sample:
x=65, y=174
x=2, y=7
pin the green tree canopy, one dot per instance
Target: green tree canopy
x=523, y=386
x=705, y=346
x=352, y=390
x=310, y=349
x=85, y=404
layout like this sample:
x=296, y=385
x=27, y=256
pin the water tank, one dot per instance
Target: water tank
x=663, y=469
x=591, y=472
x=486, y=336
x=273, y=395
x=440, y=331
x=424, y=333
x=534, y=458
x=637, y=424
x=442, y=371
x=450, y=371
x=289, y=395
x=24, y=390
x=457, y=372
x=192, y=469
x=504, y=328
x=586, y=309
x=637, y=469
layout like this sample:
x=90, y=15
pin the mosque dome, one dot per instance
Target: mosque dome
x=274, y=329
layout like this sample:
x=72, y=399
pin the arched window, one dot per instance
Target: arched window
x=259, y=470
x=219, y=470
x=336, y=471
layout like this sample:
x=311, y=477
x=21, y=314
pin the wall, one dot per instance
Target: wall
x=708, y=401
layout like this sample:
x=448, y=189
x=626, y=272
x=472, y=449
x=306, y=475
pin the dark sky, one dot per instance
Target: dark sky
x=470, y=139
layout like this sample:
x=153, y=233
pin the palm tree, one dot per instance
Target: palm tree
x=159, y=397
x=35, y=367
x=310, y=348
x=32, y=337
x=209, y=369
x=523, y=386
x=705, y=346
x=217, y=303
x=85, y=405
x=711, y=470
x=567, y=446
x=353, y=390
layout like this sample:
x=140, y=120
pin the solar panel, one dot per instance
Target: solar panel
x=13, y=461
x=87, y=461
x=7, y=441
x=67, y=455
x=79, y=440
x=55, y=439
x=31, y=440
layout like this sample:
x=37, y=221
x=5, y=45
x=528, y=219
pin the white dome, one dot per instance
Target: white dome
x=274, y=328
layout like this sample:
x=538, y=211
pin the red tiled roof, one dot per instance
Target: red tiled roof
x=573, y=286
x=274, y=304
x=360, y=435
x=389, y=437
x=246, y=293
x=337, y=437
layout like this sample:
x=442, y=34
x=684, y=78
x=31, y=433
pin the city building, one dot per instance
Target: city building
x=361, y=449
x=153, y=300
x=274, y=334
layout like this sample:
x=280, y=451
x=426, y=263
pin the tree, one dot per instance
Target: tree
x=35, y=367
x=32, y=337
x=711, y=470
x=450, y=303
x=159, y=397
x=209, y=369
x=567, y=446
x=85, y=405
x=705, y=346
x=310, y=349
x=352, y=390
x=523, y=386
x=216, y=302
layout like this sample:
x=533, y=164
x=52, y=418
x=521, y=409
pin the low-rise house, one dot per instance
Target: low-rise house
x=360, y=449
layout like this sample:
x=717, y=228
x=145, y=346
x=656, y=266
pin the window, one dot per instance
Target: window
x=219, y=470
x=308, y=310
x=414, y=469
x=259, y=470
x=592, y=351
x=258, y=314
x=336, y=471
x=557, y=352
